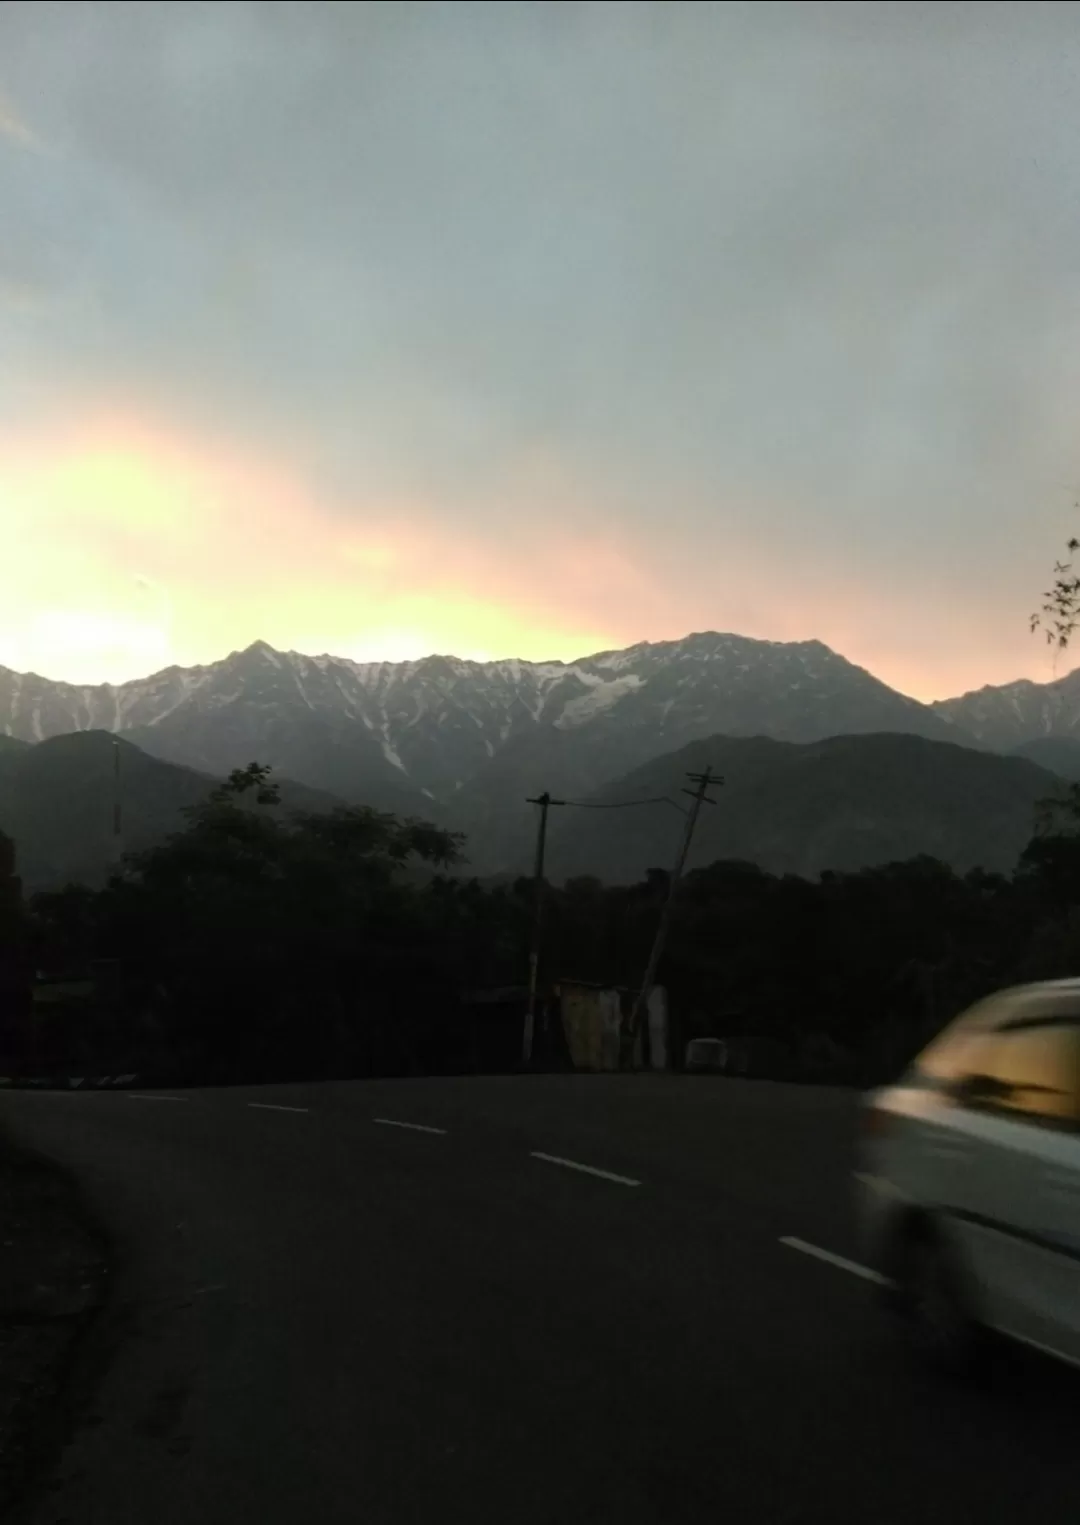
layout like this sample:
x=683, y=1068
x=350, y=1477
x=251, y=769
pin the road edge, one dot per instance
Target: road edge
x=43, y=1420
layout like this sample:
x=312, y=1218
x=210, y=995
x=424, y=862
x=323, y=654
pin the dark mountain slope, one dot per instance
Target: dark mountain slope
x=57, y=802
x=842, y=803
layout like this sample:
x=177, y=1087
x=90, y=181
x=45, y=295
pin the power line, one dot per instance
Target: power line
x=655, y=799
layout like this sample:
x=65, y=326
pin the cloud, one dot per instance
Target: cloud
x=643, y=317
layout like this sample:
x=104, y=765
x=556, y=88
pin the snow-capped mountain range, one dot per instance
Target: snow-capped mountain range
x=465, y=742
x=434, y=726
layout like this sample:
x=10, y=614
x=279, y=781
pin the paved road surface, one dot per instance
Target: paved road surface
x=324, y=1317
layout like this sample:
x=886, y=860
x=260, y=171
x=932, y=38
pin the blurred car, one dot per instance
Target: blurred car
x=969, y=1179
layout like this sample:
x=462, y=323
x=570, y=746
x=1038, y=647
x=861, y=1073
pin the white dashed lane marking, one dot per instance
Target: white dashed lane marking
x=273, y=1106
x=588, y=1170
x=393, y=1122
x=137, y=1096
x=852, y=1267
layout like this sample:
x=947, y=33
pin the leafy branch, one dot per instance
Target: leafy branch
x=1059, y=614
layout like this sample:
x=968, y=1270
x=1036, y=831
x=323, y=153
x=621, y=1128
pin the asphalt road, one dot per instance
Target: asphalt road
x=321, y=1316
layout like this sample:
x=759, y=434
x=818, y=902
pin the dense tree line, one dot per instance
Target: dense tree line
x=254, y=945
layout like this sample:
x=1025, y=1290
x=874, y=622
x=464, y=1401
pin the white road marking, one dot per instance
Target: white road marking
x=273, y=1106
x=393, y=1122
x=588, y=1170
x=136, y=1096
x=842, y=1264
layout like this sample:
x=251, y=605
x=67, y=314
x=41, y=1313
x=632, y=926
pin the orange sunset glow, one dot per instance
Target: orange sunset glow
x=127, y=549
x=127, y=552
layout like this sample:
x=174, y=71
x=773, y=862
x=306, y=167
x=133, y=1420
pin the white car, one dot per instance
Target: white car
x=970, y=1178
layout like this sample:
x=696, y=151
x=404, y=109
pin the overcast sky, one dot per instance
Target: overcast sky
x=533, y=329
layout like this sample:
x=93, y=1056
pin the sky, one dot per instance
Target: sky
x=536, y=329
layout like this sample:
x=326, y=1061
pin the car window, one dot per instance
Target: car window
x=1030, y=1071
x=1041, y=1004
x=950, y=1055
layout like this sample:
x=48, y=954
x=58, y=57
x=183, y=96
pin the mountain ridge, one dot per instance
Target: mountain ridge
x=843, y=803
x=57, y=802
x=566, y=694
x=464, y=742
x=1008, y=716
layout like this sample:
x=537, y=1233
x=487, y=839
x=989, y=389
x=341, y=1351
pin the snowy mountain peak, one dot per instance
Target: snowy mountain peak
x=259, y=651
x=1013, y=714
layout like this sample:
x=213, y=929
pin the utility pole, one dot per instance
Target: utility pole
x=118, y=818
x=699, y=796
x=545, y=802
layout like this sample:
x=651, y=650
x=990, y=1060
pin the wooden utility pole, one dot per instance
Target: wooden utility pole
x=699, y=796
x=118, y=817
x=545, y=802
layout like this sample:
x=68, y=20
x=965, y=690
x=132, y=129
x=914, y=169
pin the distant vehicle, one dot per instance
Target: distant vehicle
x=970, y=1179
x=755, y=1057
x=708, y=1055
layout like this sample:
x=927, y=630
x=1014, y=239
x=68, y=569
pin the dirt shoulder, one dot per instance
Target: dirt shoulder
x=53, y=1279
